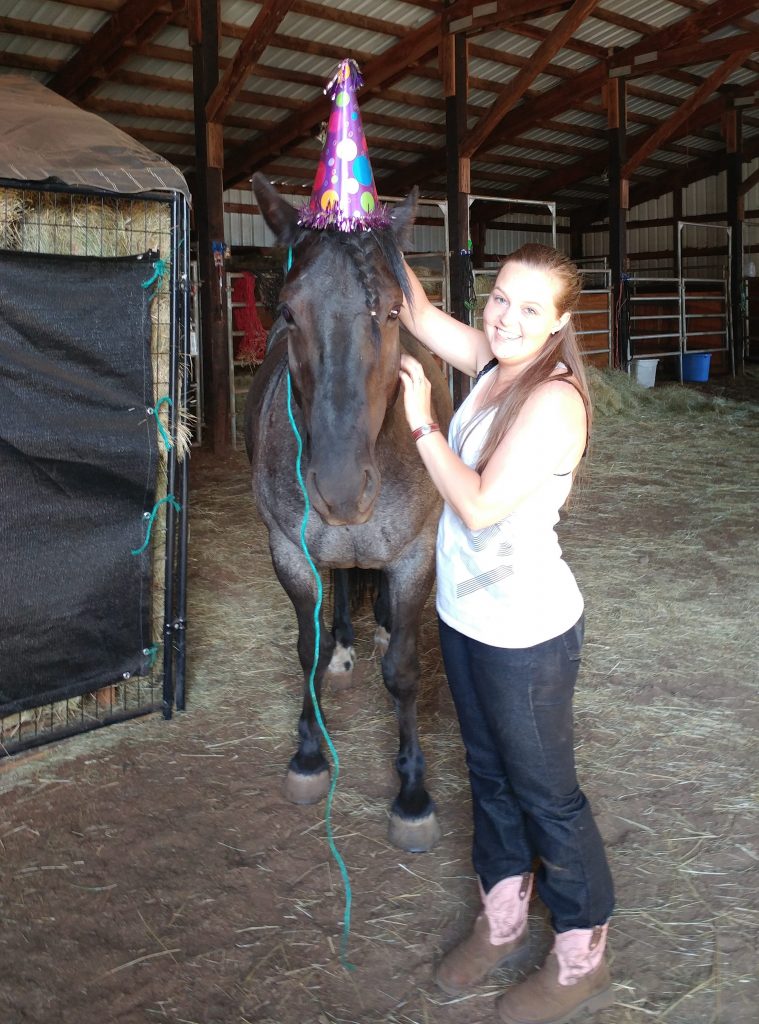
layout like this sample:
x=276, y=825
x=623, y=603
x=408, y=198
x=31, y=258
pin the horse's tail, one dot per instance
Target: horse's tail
x=356, y=587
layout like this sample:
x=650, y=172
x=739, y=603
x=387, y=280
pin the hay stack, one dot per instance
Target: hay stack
x=11, y=218
x=105, y=226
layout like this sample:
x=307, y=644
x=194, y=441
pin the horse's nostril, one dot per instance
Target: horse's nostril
x=312, y=485
x=371, y=487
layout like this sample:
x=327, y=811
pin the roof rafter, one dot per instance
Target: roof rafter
x=516, y=88
x=385, y=67
x=656, y=61
x=681, y=115
x=257, y=38
x=505, y=12
x=105, y=43
x=555, y=101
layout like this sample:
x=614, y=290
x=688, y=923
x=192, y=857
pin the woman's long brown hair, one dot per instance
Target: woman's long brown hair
x=561, y=347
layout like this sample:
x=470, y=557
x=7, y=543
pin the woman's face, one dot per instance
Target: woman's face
x=520, y=314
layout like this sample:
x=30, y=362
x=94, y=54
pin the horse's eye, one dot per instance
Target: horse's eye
x=394, y=313
x=287, y=315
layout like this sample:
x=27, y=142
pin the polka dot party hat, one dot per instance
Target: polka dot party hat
x=344, y=195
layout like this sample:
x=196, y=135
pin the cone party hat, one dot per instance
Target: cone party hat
x=344, y=196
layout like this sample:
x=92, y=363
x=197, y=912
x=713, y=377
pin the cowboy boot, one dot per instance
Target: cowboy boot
x=498, y=938
x=574, y=978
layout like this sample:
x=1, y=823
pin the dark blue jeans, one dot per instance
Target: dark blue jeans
x=515, y=713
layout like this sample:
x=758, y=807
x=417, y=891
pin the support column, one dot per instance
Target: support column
x=731, y=129
x=619, y=202
x=453, y=54
x=204, y=26
x=677, y=215
x=576, y=243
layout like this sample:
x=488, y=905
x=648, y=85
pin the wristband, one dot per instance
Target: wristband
x=427, y=428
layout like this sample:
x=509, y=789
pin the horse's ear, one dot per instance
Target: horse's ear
x=402, y=217
x=276, y=211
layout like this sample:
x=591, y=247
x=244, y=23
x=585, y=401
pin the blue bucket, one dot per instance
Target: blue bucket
x=696, y=366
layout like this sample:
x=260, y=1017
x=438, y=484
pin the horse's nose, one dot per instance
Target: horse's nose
x=347, y=501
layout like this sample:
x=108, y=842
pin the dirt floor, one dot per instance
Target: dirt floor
x=153, y=871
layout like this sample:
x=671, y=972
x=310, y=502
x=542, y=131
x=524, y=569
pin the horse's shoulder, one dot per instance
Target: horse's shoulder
x=262, y=390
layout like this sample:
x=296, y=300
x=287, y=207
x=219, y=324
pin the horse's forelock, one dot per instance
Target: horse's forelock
x=364, y=245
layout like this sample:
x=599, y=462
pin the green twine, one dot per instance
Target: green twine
x=336, y=760
x=151, y=653
x=159, y=269
x=161, y=428
x=150, y=516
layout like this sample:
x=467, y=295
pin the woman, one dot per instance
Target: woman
x=511, y=627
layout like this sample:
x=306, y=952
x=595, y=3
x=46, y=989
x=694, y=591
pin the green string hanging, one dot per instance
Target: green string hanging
x=159, y=271
x=335, y=759
x=161, y=429
x=150, y=516
x=151, y=653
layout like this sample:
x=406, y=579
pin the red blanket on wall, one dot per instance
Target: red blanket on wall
x=250, y=346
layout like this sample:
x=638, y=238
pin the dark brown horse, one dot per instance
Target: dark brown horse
x=372, y=503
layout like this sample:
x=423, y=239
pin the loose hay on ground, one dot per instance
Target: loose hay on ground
x=661, y=536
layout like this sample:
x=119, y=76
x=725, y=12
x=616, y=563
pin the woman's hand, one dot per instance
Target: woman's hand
x=417, y=392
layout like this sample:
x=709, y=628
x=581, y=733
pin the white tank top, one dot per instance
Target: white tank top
x=506, y=585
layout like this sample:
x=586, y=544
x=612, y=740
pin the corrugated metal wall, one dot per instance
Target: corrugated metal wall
x=699, y=199
x=243, y=228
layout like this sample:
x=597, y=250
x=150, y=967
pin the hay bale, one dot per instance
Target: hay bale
x=12, y=208
x=68, y=225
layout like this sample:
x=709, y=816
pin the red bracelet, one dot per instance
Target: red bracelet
x=427, y=428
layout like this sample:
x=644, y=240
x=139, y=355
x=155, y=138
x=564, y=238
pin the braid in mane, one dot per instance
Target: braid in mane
x=366, y=270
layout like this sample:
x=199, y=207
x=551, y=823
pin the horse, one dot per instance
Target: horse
x=373, y=506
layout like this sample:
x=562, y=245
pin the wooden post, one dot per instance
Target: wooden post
x=618, y=205
x=576, y=241
x=453, y=53
x=677, y=216
x=204, y=30
x=731, y=129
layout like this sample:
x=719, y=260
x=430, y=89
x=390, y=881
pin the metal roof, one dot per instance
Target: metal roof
x=550, y=144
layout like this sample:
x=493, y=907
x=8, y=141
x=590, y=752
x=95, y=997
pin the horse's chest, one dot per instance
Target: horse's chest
x=370, y=546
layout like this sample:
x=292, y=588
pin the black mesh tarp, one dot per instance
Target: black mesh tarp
x=77, y=474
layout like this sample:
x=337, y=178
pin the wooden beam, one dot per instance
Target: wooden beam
x=567, y=95
x=101, y=46
x=148, y=31
x=208, y=197
x=666, y=183
x=668, y=129
x=476, y=16
x=517, y=87
x=250, y=49
x=656, y=61
x=619, y=203
x=398, y=58
x=454, y=62
x=731, y=129
x=562, y=97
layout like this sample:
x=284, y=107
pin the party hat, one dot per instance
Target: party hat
x=344, y=195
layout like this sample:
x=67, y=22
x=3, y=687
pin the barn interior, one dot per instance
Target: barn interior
x=624, y=133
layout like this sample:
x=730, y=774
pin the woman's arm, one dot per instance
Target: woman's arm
x=456, y=343
x=547, y=437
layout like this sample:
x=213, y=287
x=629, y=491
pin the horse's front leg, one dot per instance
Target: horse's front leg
x=413, y=824
x=307, y=778
x=340, y=668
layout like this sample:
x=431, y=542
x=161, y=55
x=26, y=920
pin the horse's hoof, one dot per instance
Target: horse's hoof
x=339, y=672
x=306, y=789
x=415, y=835
x=340, y=681
x=381, y=640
